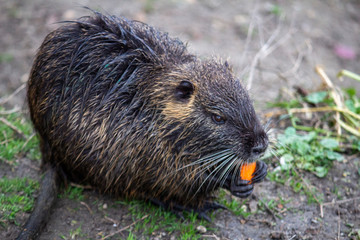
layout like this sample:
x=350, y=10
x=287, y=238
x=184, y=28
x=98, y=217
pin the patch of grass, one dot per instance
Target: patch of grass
x=160, y=219
x=131, y=236
x=235, y=205
x=73, y=193
x=17, y=138
x=16, y=195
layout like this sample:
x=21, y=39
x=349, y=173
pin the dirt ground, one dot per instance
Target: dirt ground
x=271, y=44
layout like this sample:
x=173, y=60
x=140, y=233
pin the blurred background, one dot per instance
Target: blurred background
x=271, y=44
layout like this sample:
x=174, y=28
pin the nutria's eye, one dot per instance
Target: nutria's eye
x=218, y=119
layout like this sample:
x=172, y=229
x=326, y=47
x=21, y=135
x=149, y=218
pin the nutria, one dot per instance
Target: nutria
x=125, y=108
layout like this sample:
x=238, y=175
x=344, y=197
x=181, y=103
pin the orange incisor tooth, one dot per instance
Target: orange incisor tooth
x=247, y=171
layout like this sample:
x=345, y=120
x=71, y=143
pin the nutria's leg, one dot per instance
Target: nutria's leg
x=178, y=209
x=243, y=188
x=48, y=193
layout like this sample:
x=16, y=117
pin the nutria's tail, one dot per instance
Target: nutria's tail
x=46, y=199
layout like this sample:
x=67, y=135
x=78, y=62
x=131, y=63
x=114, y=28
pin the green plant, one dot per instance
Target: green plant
x=16, y=195
x=307, y=151
x=237, y=206
x=325, y=125
x=74, y=193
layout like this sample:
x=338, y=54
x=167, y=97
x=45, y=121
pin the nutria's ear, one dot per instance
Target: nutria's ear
x=184, y=90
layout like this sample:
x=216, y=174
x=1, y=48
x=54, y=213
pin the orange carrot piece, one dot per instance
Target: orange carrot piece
x=247, y=171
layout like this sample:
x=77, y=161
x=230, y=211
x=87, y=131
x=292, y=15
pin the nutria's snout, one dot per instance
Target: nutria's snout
x=260, y=146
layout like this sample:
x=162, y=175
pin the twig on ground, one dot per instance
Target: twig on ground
x=87, y=206
x=333, y=93
x=112, y=220
x=10, y=125
x=269, y=210
x=293, y=236
x=6, y=141
x=81, y=186
x=124, y=228
x=7, y=112
x=211, y=236
x=27, y=141
x=341, y=201
x=335, y=202
x=4, y=100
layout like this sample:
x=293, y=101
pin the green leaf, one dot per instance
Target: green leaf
x=290, y=131
x=350, y=105
x=329, y=143
x=309, y=137
x=285, y=161
x=351, y=92
x=316, y=97
x=334, y=156
x=302, y=147
x=321, y=171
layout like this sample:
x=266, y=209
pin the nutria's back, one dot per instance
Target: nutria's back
x=126, y=108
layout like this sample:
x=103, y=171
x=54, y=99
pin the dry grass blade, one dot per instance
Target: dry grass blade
x=333, y=93
x=348, y=74
x=345, y=119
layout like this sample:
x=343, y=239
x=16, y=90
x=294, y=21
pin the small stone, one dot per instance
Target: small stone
x=105, y=206
x=24, y=78
x=201, y=229
x=253, y=206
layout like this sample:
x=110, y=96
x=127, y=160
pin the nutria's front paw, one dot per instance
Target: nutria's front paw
x=240, y=188
x=260, y=172
x=243, y=188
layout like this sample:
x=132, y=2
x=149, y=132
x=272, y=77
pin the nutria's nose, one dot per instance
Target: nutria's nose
x=259, y=149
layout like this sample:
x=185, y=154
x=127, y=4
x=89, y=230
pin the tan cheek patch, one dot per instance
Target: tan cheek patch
x=179, y=110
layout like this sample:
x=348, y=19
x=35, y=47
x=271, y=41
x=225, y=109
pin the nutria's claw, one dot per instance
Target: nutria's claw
x=240, y=188
x=260, y=172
